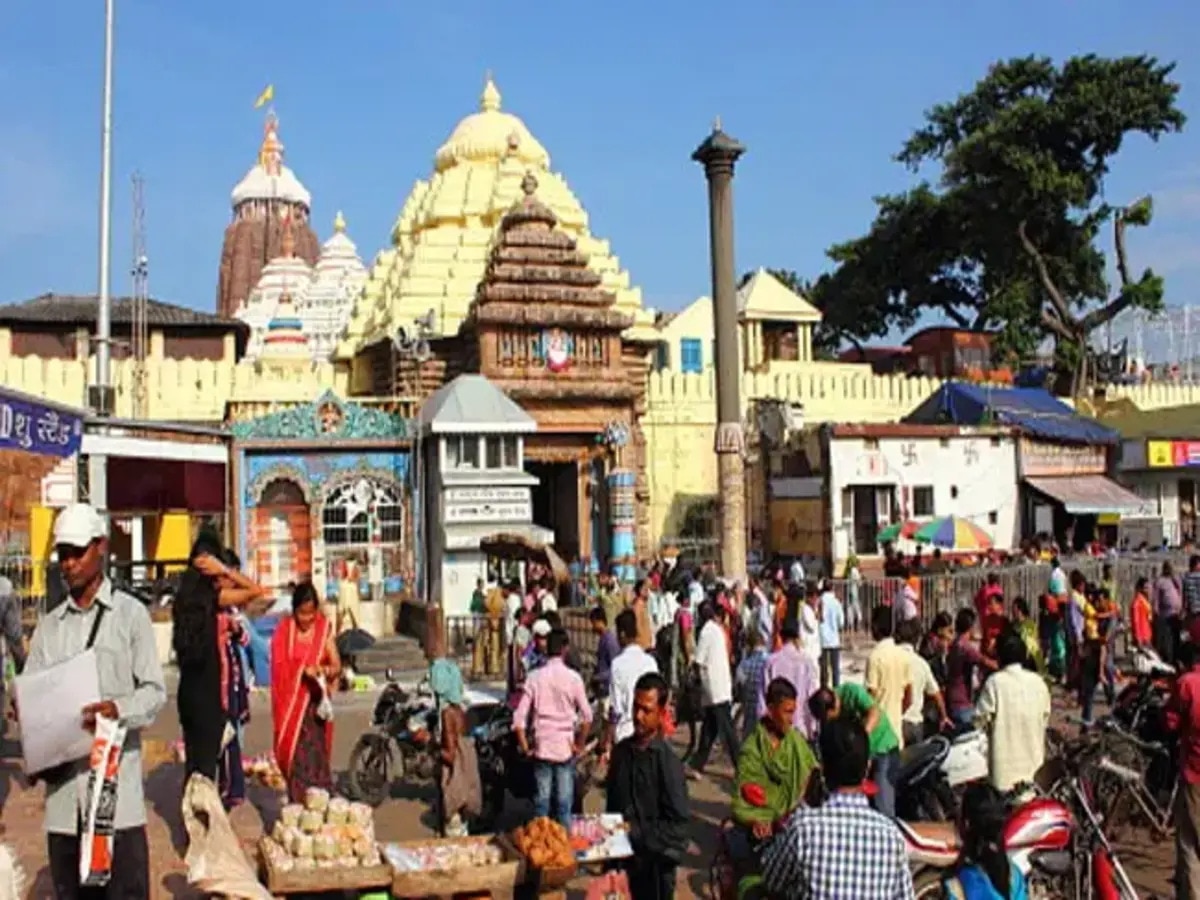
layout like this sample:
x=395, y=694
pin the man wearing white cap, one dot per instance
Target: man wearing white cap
x=117, y=626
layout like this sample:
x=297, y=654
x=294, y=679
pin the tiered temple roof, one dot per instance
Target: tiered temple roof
x=441, y=240
x=536, y=274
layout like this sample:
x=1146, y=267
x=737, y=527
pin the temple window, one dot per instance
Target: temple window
x=362, y=512
x=691, y=355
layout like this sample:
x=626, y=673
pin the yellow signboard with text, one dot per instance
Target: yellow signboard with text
x=1160, y=455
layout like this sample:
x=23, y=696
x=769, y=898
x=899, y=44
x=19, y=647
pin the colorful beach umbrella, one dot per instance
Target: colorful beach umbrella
x=897, y=530
x=953, y=533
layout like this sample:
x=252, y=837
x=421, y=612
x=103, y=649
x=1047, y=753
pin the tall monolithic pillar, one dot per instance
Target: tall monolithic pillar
x=718, y=154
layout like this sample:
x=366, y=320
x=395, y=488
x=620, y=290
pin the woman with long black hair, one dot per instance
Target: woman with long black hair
x=206, y=587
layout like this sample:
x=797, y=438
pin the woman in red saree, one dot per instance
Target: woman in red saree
x=303, y=661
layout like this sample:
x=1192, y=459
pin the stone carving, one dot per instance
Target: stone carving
x=328, y=417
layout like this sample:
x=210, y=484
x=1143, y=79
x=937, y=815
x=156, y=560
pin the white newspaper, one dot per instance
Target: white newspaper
x=50, y=706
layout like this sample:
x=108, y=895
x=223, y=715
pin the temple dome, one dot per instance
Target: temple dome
x=440, y=242
x=491, y=134
x=269, y=178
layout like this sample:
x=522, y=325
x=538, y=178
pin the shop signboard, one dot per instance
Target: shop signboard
x=1172, y=454
x=1039, y=459
x=28, y=426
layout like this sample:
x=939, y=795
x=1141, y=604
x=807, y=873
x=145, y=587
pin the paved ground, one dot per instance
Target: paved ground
x=403, y=817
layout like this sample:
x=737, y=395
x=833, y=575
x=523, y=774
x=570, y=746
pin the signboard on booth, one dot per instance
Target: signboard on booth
x=1172, y=454
x=1040, y=460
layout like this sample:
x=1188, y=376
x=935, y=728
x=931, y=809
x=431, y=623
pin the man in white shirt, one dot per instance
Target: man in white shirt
x=796, y=573
x=512, y=607
x=627, y=667
x=810, y=624
x=1014, y=709
x=716, y=689
x=925, y=687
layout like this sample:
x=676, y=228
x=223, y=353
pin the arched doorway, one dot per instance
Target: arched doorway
x=281, y=537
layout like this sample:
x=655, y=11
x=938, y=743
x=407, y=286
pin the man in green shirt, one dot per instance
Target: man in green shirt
x=853, y=700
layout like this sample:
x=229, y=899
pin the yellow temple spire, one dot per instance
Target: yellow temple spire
x=339, y=223
x=490, y=100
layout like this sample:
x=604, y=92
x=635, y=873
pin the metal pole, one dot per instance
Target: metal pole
x=104, y=310
x=101, y=400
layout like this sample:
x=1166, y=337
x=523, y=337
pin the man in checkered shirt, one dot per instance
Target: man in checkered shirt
x=842, y=850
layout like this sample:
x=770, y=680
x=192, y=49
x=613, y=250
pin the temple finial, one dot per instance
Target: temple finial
x=270, y=153
x=716, y=124
x=490, y=100
x=287, y=241
x=339, y=223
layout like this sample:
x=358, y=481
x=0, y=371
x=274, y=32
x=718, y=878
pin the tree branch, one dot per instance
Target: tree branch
x=1053, y=323
x=1056, y=297
x=955, y=316
x=1119, y=243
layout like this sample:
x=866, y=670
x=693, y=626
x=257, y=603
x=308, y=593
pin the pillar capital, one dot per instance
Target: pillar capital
x=718, y=152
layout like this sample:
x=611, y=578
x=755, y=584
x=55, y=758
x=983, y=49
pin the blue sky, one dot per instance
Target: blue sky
x=619, y=93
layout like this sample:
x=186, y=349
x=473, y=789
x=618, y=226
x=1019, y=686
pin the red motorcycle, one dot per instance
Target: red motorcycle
x=1055, y=841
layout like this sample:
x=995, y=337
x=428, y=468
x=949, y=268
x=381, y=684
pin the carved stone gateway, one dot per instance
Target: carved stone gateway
x=548, y=335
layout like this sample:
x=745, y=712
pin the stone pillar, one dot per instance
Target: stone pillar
x=718, y=154
x=622, y=510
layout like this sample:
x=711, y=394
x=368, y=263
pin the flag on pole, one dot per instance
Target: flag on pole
x=265, y=97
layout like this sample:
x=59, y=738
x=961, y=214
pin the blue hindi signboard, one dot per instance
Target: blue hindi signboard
x=32, y=427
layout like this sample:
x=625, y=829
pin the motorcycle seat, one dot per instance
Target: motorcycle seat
x=918, y=758
x=930, y=839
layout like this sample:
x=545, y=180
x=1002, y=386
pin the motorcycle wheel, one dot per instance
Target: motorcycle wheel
x=371, y=769
x=927, y=885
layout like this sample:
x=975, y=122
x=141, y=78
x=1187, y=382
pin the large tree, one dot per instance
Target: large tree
x=1003, y=233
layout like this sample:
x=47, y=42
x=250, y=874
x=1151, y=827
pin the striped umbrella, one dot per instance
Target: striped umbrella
x=897, y=530
x=954, y=533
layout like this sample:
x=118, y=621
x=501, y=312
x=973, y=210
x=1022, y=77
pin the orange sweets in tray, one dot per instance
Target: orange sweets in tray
x=545, y=843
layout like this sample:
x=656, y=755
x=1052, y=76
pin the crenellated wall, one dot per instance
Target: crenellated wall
x=185, y=390
x=1157, y=395
x=681, y=417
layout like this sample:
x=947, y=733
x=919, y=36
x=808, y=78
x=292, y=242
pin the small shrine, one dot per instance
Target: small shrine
x=322, y=492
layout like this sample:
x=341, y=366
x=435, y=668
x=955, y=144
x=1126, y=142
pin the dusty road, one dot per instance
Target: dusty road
x=405, y=816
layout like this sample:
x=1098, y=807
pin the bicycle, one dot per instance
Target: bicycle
x=1143, y=782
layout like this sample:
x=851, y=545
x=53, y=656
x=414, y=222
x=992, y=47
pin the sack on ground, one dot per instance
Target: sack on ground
x=100, y=804
x=215, y=861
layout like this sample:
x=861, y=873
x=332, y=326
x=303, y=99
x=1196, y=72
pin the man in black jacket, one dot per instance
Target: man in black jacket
x=646, y=785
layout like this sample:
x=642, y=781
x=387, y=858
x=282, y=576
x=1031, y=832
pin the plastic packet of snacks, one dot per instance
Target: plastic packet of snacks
x=311, y=821
x=338, y=812
x=362, y=815
x=326, y=864
x=324, y=847
x=347, y=862
x=290, y=815
x=363, y=847
x=305, y=863
x=302, y=846
x=316, y=799
x=372, y=859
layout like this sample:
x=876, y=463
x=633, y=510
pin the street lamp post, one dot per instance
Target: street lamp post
x=718, y=154
x=101, y=395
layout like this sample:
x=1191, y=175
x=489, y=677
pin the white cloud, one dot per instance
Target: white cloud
x=36, y=190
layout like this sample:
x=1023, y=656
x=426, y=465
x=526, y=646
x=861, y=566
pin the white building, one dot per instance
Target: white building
x=845, y=483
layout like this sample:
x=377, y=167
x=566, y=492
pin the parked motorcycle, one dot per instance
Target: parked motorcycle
x=402, y=743
x=505, y=771
x=933, y=772
x=1038, y=837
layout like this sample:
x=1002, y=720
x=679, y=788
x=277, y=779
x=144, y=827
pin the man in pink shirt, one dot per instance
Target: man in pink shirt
x=555, y=705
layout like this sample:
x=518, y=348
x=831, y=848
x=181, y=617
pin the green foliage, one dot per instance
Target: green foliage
x=1005, y=236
